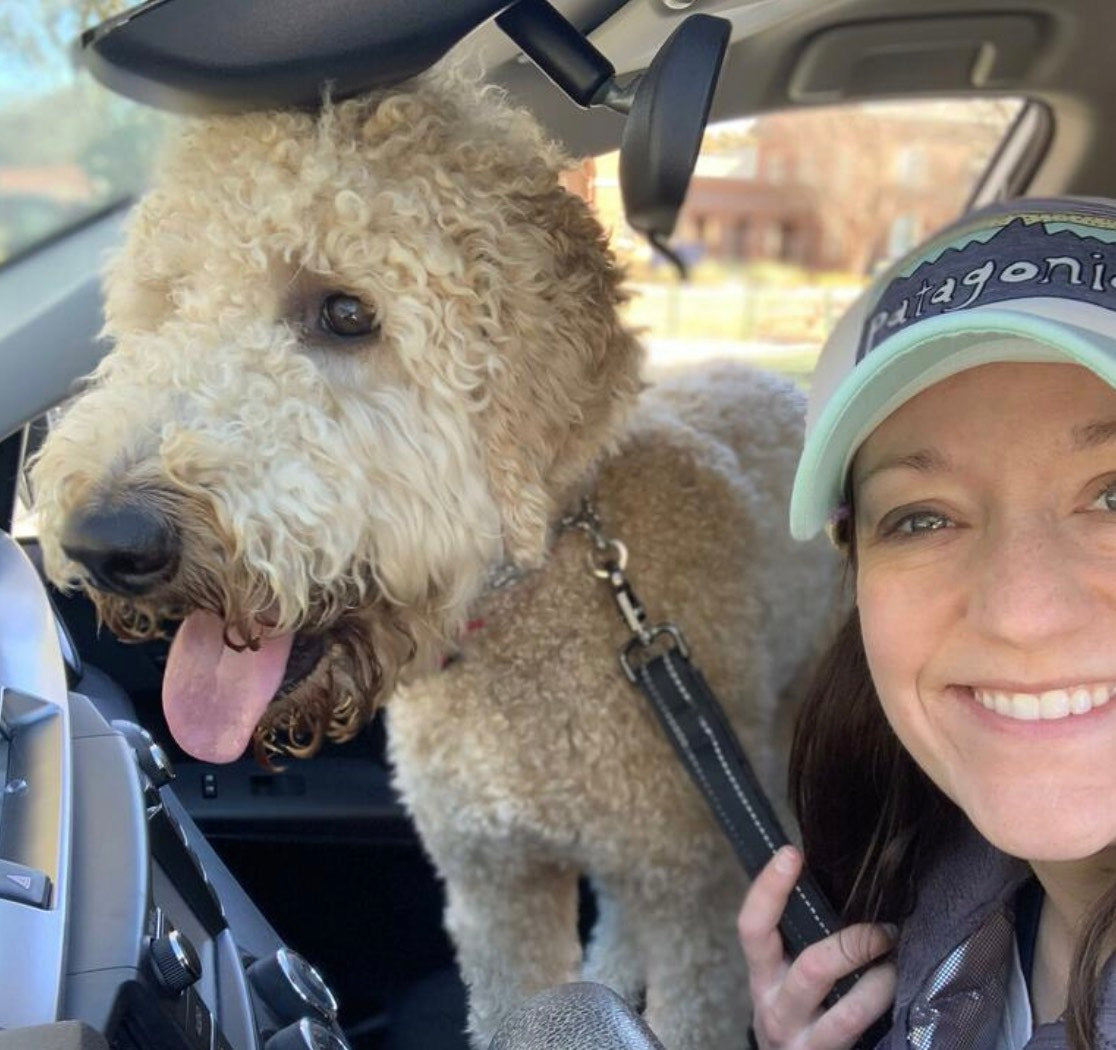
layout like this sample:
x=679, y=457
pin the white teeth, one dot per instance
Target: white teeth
x=1051, y=705
x=1055, y=704
x=1025, y=706
x=1081, y=701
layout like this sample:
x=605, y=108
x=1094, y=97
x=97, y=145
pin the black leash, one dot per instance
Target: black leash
x=657, y=660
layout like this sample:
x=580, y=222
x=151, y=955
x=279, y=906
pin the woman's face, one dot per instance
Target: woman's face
x=986, y=580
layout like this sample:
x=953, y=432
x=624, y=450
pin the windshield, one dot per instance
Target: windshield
x=69, y=148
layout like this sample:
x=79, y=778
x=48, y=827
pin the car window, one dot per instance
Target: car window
x=69, y=148
x=787, y=217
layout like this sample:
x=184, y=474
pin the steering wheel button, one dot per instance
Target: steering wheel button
x=23, y=884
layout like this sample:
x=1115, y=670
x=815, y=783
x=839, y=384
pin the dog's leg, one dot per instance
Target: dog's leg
x=614, y=956
x=697, y=991
x=515, y=928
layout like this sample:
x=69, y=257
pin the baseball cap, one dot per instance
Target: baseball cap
x=1028, y=280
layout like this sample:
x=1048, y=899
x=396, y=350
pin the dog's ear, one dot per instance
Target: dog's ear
x=571, y=374
x=525, y=508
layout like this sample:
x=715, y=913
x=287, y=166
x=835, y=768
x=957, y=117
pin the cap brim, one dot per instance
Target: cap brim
x=897, y=370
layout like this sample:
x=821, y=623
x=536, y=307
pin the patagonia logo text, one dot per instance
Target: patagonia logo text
x=1023, y=260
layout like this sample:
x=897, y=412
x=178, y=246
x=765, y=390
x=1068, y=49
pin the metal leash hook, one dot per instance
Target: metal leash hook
x=608, y=559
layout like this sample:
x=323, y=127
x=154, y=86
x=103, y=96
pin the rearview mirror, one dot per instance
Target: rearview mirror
x=665, y=125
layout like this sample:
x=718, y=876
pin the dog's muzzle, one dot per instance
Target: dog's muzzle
x=128, y=550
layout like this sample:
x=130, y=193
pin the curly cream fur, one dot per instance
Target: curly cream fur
x=365, y=490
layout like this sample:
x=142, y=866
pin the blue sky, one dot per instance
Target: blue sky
x=31, y=58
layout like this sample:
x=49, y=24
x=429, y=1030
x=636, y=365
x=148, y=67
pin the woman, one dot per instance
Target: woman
x=955, y=766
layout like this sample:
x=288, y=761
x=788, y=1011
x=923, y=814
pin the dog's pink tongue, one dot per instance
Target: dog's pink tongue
x=214, y=696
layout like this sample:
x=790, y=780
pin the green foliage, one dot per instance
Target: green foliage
x=68, y=146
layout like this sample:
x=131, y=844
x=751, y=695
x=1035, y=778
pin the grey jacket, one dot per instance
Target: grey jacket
x=955, y=953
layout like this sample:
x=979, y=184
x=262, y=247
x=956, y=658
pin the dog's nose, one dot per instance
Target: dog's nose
x=128, y=550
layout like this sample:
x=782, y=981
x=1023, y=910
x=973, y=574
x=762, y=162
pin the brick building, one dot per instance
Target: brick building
x=826, y=189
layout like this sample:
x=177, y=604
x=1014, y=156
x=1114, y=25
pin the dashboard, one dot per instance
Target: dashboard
x=119, y=925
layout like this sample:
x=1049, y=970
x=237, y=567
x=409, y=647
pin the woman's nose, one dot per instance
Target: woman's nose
x=1027, y=584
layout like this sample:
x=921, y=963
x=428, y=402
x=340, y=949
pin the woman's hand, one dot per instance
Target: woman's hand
x=788, y=997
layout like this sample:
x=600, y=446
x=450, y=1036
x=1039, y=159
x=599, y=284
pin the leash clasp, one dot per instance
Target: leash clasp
x=608, y=558
x=646, y=650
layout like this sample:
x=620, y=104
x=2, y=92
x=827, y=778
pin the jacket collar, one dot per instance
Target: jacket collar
x=955, y=949
x=969, y=882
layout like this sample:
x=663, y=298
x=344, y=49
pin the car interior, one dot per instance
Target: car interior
x=156, y=901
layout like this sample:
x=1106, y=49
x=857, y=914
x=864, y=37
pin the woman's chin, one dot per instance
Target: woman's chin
x=1047, y=834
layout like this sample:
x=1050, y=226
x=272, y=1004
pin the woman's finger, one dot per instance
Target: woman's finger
x=758, y=924
x=851, y=1016
x=811, y=977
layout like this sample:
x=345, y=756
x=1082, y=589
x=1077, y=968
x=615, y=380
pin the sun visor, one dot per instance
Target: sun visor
x=195, y=56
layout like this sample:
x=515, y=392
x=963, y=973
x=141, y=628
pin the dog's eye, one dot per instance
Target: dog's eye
x=347, y=316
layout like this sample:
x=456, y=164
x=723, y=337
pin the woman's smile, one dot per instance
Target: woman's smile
x=1027, y=705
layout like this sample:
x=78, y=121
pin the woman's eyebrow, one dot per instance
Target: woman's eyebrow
x=922, y=461
x=1092, y=435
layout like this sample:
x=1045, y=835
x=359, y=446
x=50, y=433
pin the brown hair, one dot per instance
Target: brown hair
x=870, y=817
x=867, y=841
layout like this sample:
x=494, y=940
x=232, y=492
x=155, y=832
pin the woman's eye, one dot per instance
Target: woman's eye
x=917, y=522
x=346, y=316
x=1106, y=501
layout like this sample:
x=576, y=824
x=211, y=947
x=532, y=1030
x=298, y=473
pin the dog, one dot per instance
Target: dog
x=365, y=362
